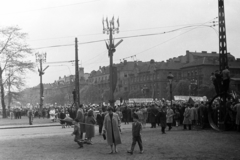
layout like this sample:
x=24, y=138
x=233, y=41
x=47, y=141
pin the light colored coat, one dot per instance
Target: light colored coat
x=238, y=114
x=169, y=116
x=108, y=127
x=187, y=116
x=81, y=119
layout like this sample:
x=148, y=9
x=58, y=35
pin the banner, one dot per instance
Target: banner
x=140, y=100
x=186, y=98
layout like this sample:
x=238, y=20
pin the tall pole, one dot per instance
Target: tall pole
x=77, y=94
x=41, y=58
x=110, y=29
x=170, y=78
x=171, y=92
x=223, y=59
x=111, y=68
x=41, y=85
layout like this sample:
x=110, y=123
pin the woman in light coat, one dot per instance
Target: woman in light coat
x=187, y=118
x=111, y=128
x=169, y=116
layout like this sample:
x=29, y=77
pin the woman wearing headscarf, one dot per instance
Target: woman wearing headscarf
x=90, y=122
x=111, y=126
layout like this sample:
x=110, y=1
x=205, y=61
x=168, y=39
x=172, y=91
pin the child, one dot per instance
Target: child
x=77, y=134
x=136, y=129
x=177, y=117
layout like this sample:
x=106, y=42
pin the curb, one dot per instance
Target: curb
x=28, y=126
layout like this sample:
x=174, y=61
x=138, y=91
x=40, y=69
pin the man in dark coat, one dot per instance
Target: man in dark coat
x=100, y=119
x=153, y=116
x=125, y=115
x=163, y=118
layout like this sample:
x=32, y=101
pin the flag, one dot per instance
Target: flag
x=103, y=23
x=118, y=22
x=113, y=21
x=107, y=22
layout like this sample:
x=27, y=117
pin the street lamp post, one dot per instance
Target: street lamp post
x=193, y=87
x=110, y=29
x=41, y=57
x=170, y=78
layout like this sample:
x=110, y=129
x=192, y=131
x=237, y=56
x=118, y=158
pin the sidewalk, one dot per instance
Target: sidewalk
x=30, y=126
x=24, y=123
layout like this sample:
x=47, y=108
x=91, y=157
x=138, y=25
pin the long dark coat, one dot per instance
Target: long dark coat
x=108, y=127
x=153, y=115
x=90, y=131
x=163, y=118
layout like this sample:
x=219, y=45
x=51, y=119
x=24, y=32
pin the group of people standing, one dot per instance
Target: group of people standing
x=109, y=126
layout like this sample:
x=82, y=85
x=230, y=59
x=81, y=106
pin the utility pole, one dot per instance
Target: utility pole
x=223, y=58
x=41, y=58
x=77, y=93
x=110, y=29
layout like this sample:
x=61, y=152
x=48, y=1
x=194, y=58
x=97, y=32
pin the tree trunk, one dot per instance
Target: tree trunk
x=4, y=112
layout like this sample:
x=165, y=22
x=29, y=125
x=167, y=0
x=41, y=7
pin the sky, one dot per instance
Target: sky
x=178, y=25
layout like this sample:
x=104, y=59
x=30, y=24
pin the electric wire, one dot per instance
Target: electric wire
x=173, y=38
x=125, y=37
x=34, y=10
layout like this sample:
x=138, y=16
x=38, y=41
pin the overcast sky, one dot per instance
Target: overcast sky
x=58, y=22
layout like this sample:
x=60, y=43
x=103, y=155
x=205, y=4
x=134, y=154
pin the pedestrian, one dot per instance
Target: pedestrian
x=77, y=133
x=163, y=119
x=52, y=114
x=187, y=118
x=177, y=117
x=237, y=106
x=62, y=116
x=136, y=134
x=30, y=116
x=111, y=127
x=153, y=115
x=226, y=79
x=100, y=119
x=169, y=116
x=80, y=118
x=89, y=126
x=145, y=116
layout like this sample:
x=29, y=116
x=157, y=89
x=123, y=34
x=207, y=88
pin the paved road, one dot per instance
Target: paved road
x=40, y=132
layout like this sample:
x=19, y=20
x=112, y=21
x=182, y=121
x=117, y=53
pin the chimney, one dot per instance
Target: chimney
x=214, y=52
x=204, y=51
x=100, y=67
x=125, y=62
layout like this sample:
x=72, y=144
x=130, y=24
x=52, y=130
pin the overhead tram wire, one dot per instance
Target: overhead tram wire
x=149, y=48
x=212, y=21
x=160, y=43
x=59, y=62
x=34, y=10
x=202, y=25
x=211, y=26
x=134, y=36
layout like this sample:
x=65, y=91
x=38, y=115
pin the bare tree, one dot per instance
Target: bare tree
x=13, y=55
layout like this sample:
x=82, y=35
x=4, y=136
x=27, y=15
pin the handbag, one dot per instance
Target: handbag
x=104, y=136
